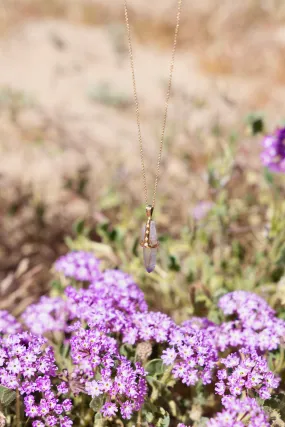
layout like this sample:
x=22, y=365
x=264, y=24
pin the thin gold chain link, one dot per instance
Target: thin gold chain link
x=166, y=102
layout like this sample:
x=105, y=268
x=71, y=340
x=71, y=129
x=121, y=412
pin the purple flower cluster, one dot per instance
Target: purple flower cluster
x=111, y=311
x=192, y=354
x=273, y=155
x=48, y=315
x=148, y=326
x=249, y=308
x=246, y=370
x=8, y=323
x=109, y=302
x=240, y=413
x=105, y=372
x=28, y=364
x=114, y=304
x=255, y=325
x=92, y=348
x=79, y=265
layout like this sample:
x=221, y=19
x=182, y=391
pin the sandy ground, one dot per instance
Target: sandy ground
x=77, y=95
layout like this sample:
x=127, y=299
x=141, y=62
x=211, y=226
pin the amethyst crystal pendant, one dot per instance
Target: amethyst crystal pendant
x=149, y=241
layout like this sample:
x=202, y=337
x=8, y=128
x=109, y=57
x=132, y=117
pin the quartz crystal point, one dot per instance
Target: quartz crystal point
x=149, y=252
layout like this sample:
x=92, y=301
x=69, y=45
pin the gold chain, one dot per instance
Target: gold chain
x=166, y=103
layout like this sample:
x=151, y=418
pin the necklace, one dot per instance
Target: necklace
x=149, y=240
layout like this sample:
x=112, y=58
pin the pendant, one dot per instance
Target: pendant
x=149, y=241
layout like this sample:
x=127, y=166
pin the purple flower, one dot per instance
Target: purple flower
x=32, y=411
x=51, y=420
x=120, y=380
x=28, y=364
x=48, y=315
x=109, y=409
x=255, y=325
x=62, y=388
x=67, y=405
x=248, y=306
x=93, y=388
x=220, y=388
x=38, y=423
x=231, y=361
x=109, y=304
x=127, y=409
x=149, y=326
x=240, y=413
x=80, y=265
x=192, y=354
x=249, y=372
x=168, y=356
x=65, y=422
x=8, y=323
x=273, y=155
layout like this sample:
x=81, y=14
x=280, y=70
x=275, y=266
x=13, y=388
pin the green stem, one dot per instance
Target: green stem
x=139, y=419
x=281, y=360
x=164, y=380
x=18, y=409
x=154, y=395
x=167, y=375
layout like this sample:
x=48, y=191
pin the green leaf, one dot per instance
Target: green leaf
x=275, y=416
x=56, y=285
x=155, y=367
x=255, y=123
x=79, y=227
x=203, y=422
x=69, y=242
x=214, y=316
x=135, y=247
x=7, y=396
x=127, y=350
x=165, y=421
x=268, y=176
x=173, y=263
x=154, y=383
x=277, y=401
x=97, y=403
x=149, y=417
x=64, y=350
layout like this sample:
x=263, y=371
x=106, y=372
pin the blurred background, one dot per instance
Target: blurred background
x=70, y=162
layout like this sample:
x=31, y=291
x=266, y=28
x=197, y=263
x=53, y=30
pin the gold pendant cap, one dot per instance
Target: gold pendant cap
x=149, y=211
